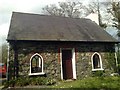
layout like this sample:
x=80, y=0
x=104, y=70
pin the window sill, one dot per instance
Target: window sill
x=33, y=74
x=101, y=69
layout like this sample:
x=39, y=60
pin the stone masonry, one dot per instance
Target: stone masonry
x=50, y=51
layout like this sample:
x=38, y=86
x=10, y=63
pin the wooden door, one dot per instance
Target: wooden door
x=67, y=64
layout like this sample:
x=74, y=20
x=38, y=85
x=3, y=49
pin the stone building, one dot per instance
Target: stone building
x=58, y=47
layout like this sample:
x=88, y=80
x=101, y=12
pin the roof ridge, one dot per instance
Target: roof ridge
x=47, y=15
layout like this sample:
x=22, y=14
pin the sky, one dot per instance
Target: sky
x=27, y=6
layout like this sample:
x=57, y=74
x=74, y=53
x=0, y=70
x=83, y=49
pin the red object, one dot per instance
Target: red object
x=67, y=64
x=3, y=69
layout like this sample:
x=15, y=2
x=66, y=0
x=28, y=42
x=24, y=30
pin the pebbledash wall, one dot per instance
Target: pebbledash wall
x=50, y=52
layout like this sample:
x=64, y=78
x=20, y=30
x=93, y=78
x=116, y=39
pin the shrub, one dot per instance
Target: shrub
x=42, y=81
x=37, y=81
x=119, y=69
x=10, y=83
x=111, y=61
x=23, y=81
x=98, y=73
x=50, y=81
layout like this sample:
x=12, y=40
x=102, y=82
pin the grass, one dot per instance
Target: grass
x=100, y=83
x=91, y=82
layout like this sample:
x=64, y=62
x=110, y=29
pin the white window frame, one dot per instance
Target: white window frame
x=40, y=73
x=73, y=62
x=101, y=68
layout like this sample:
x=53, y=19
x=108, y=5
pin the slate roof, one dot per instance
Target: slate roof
x=35, y=27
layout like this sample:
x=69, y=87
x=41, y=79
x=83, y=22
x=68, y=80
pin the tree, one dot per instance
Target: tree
x=4, y=53
x=95, y=6
x=65, y=9
x=78, y=10
x=114, y=10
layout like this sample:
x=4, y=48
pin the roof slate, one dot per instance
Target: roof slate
x=25, y=26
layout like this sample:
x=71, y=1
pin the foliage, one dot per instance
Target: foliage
x=24, y=81
x=98, y=73
x=118, y=58
x=4, y=53
x=91, y=82
x=97, y=6
x=111, y=60
x=114, y=10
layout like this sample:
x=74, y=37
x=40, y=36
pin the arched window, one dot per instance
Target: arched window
x=96, y=62
x=36, y=64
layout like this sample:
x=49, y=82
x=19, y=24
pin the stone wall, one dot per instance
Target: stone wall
x=84, y=53
x=50, y=54
x=50, y=51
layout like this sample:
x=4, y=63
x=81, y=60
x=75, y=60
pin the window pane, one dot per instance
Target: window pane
x=36, y=65
x=96, y=61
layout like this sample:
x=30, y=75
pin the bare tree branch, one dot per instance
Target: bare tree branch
x=67, y=9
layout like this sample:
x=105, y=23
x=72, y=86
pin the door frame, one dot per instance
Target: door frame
x=73, y=62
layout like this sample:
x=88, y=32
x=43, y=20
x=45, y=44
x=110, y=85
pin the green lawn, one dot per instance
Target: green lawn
x=100, y=83
x=92, y=82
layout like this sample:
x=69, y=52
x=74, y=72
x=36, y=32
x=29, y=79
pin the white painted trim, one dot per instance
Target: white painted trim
x=101, y=68
x=116, y=59
x=98, y=69
x=42, y=73
x=73, y=61
x=61, y=63
x=39, y=64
